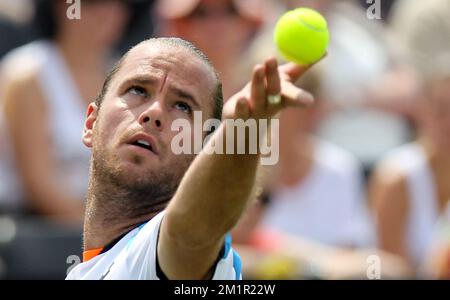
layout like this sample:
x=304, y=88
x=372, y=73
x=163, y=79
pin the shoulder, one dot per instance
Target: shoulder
x=135, y=257
x=26, y=59
x=132, y=257
x=21, y=93
x=401, y=162
x=388, y=185
x=147, y=234
x=21, y=65
x=19, y=77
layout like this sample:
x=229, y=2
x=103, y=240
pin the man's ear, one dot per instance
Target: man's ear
x=91, y=118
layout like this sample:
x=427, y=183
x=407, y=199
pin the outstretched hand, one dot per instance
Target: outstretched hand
x=271, y=89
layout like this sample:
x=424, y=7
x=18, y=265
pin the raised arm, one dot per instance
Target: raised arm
x=216, y=188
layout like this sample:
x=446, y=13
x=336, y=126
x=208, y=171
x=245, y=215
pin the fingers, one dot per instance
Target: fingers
x=269, y=80
x=258, y=90
x=273, y=83
x=294, y=96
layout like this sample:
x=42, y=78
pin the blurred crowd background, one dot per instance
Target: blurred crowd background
x=362, y=186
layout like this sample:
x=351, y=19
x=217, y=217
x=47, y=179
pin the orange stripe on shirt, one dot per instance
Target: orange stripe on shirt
x=90, y=254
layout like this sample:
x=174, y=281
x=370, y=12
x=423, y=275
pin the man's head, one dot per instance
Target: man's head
x=129, y=125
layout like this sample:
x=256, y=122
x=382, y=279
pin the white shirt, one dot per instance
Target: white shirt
x=328, y=205
x=134, y=257
x=411, y=160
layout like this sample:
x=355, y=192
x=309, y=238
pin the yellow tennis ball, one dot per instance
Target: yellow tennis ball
x=301, y=35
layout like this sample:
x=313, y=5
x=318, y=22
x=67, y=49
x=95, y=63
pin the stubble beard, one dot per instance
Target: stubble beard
x=120, y=195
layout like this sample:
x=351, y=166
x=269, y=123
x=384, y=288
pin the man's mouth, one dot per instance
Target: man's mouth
x=144, y=141
x=143, y=144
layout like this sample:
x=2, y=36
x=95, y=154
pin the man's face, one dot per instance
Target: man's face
x=132, y=134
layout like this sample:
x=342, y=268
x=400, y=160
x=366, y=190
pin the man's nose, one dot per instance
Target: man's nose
x=153, y=116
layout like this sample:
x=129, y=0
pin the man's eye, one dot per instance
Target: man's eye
x=183, y=107
x=138, y=91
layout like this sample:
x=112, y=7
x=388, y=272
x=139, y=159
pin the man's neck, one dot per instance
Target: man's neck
x=107, y=219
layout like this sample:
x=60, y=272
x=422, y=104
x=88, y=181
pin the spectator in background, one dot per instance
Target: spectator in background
x=317, y=188
x=361, y=65
x=13, y=17
x=423, y=27
x=139, y=27
x=315, y=191
x=313, y=219
x=410, y=189
x=47, y=85
x=220, y=28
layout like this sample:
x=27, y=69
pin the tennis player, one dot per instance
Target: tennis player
x=152, y=214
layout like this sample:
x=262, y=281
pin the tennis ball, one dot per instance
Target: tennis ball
x=301, y=35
